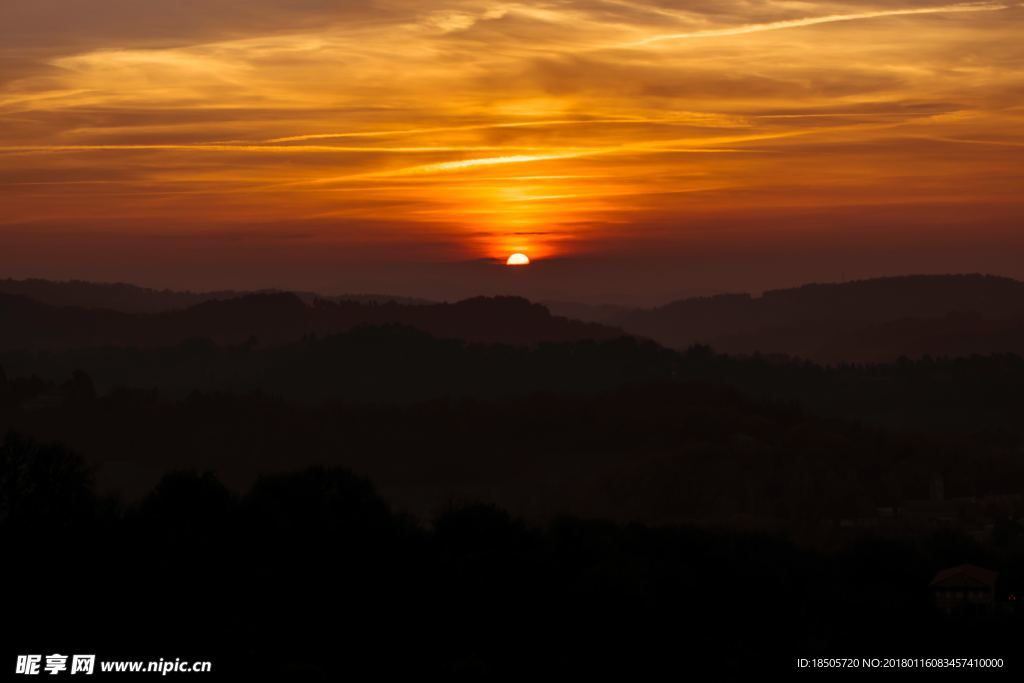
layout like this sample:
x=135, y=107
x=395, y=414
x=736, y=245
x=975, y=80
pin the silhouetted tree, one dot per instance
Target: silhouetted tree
x=45, y=487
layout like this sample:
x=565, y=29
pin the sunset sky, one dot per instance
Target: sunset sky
x=635, y=150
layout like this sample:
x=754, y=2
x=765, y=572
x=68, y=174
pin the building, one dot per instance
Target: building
x=964, y=589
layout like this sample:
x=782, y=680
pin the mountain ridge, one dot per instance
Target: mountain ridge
x=130, y=298
x=279, y=318
x=873, y=320
x=819, y=320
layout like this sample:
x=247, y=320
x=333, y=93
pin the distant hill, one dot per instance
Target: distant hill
x=278, y=318
x=867, y=320
x=873, y=320
x=128, y=298
x=605, y=314
x=113, y=296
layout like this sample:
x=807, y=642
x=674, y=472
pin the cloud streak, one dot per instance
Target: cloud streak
x=814, y=21
x=258, y=148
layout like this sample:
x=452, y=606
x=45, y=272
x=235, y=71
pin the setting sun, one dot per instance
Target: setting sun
x=518, y=260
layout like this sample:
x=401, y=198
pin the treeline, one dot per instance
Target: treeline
x=657, y=452
x=390, y=363
x=127, y=298
x=394, y=364
x=311, y=575
x=277, y=318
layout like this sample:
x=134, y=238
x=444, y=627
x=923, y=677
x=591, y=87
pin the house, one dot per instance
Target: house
x=964, y=589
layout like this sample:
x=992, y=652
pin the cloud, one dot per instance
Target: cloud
x=472, y=119
x=813, y=21
x=63, y=25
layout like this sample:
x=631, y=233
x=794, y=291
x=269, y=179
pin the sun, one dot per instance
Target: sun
x=518, y=259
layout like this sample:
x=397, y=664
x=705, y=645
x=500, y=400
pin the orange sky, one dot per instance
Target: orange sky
x=635, y=150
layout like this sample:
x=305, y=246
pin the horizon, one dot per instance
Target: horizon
x=755, y=295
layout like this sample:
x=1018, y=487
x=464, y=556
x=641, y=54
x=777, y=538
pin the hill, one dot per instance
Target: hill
x=127, y=298
x=869, y=320
x=877, y=320
x=278, y=318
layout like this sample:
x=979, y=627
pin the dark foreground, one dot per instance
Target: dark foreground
x=311, y=576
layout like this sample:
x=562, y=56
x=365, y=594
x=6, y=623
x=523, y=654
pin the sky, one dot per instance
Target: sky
x=636, y=151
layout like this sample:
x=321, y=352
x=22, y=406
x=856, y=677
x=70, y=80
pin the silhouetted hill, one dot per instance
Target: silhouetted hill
x=865, y=321
x=128, y=298
x=280, y=317
x=112, y=296
x=389, y=363
x=868, y=320
x=606, y=314
x=399, y=364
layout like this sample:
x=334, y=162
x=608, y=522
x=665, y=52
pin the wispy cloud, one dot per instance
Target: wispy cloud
x=813, y=21
x=256, y=148
x=677, y=118
x=707, y=145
